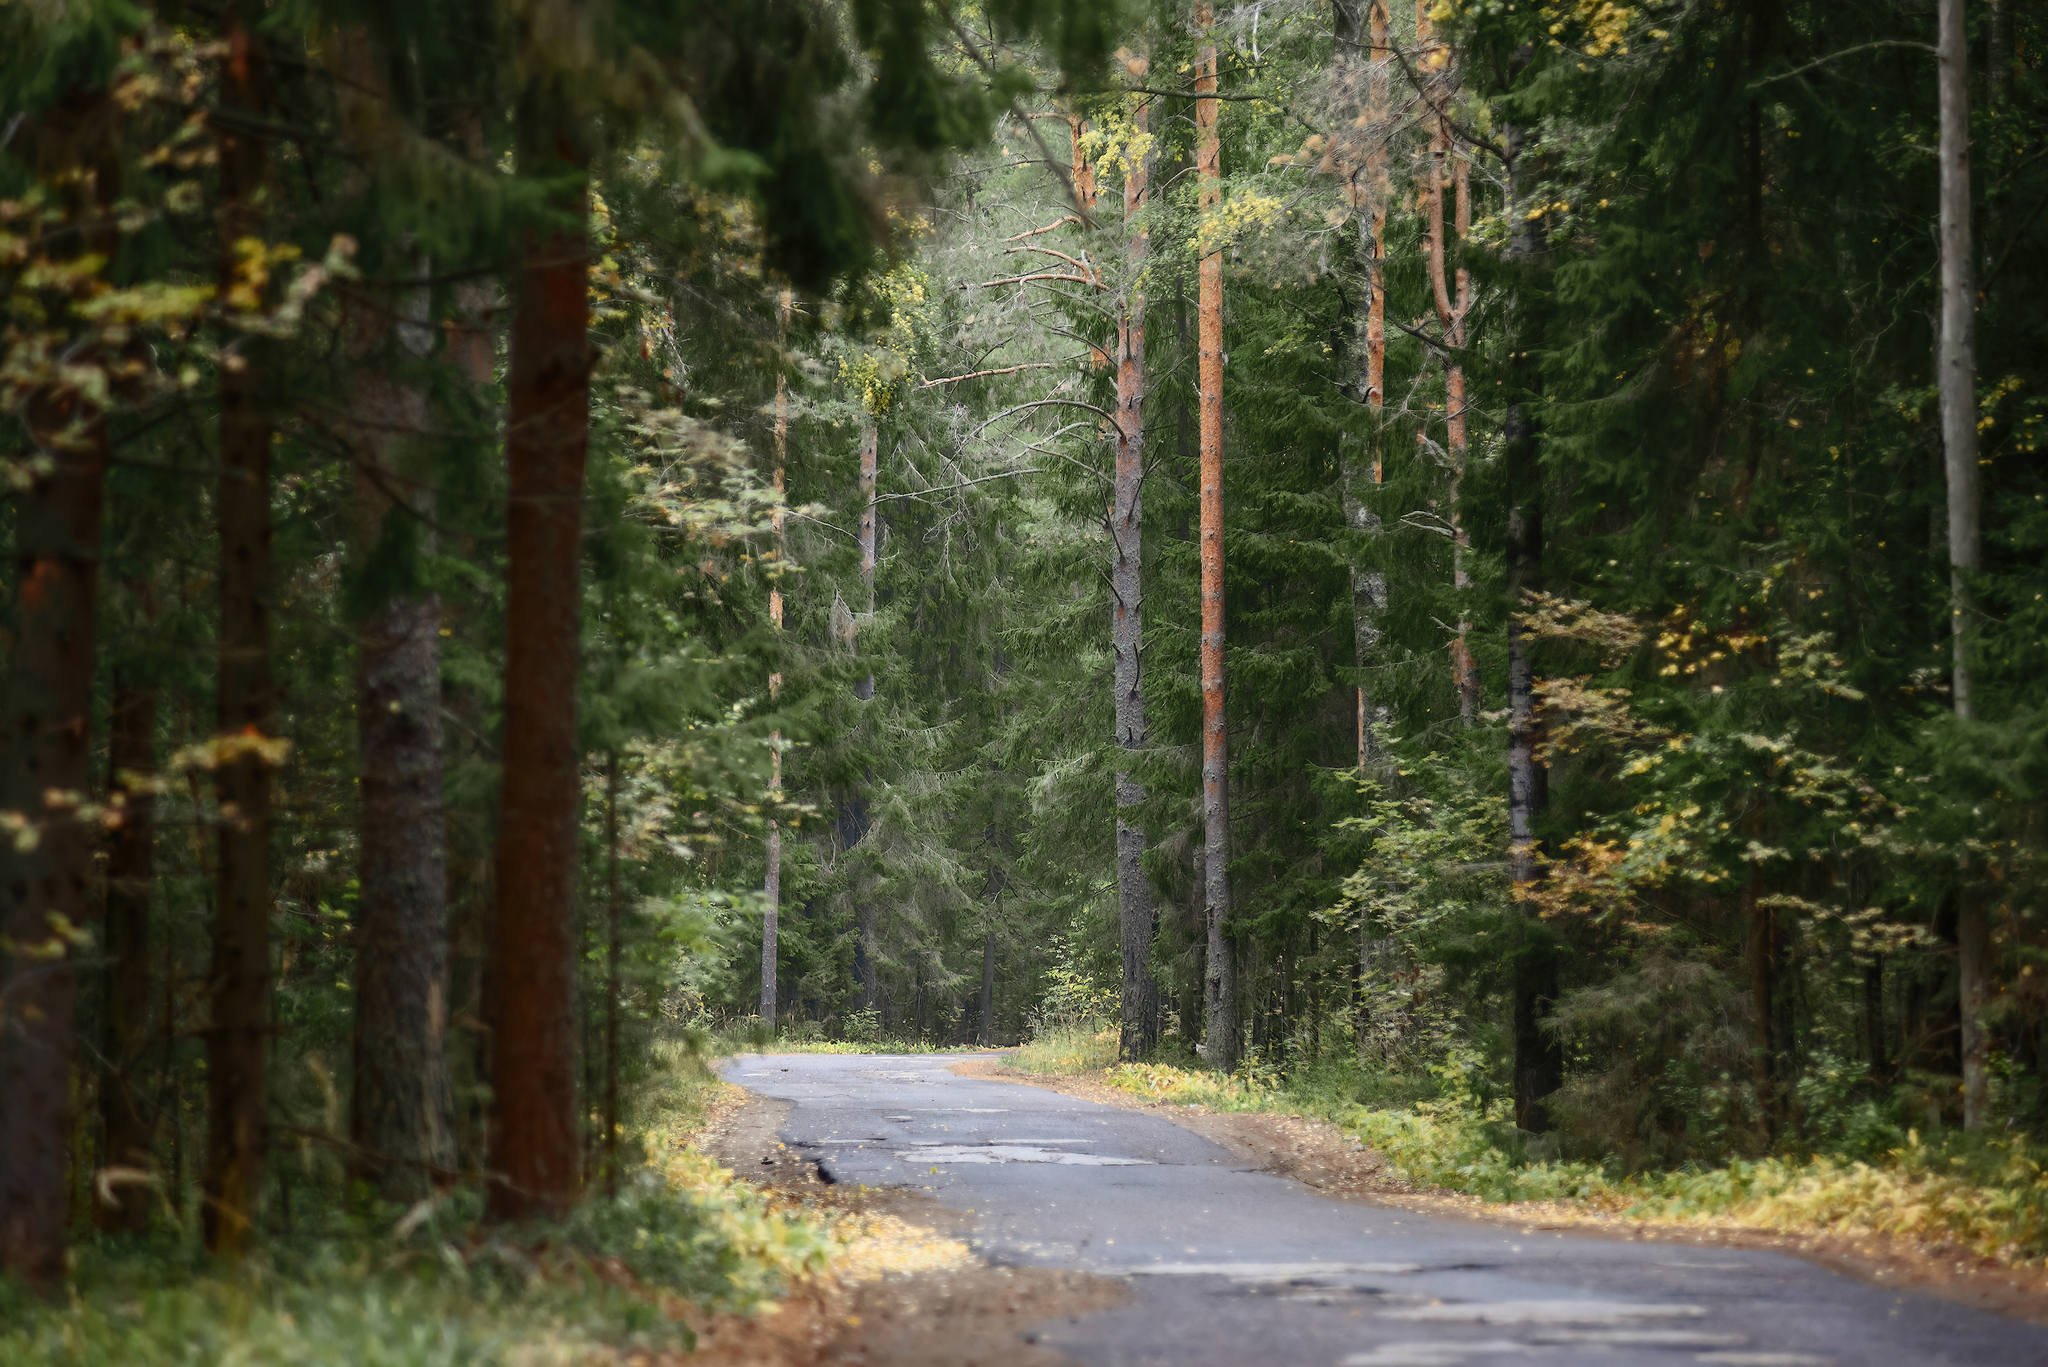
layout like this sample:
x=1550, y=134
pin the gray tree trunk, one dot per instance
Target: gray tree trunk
x=1126, y=516
x=1956, y=384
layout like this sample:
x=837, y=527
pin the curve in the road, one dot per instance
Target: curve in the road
x=1234, y=1267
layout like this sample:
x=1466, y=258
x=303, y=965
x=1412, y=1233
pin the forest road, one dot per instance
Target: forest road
x=1234, y=1267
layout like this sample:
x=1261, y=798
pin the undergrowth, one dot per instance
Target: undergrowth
x=1081, y=1046
x=435, y=1286
x=1987, y=1195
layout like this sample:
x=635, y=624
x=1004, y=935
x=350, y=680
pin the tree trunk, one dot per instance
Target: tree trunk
x=533, y=1064
x=1222, y=1003
x=613, y=983
x=866, y=967
x=1451, y=310
x=45, y=770
x=1998, y=53
x=1539, y=1061
x=1874, y=1051
x=402, y=1117
x=1956, y=383
x=1762, y=953
x=1365, y=189
x=238, y=1032
x=1126, y=518
x=131, y=753
x=988, y=990
x=771, y=889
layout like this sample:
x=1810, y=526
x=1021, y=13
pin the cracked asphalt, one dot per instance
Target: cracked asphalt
x=1232, y=1267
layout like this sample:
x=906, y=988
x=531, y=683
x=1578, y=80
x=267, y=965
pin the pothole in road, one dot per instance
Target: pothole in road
x=1545, y=1312
x=1012, y=1153
x=888, y=1076
x=1264, y=1274
x=1430, y=1354
x=1638, y=1338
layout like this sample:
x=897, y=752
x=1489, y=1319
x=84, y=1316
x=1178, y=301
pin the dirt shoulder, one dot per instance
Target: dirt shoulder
x=905, y=1292
x=1326, y=1160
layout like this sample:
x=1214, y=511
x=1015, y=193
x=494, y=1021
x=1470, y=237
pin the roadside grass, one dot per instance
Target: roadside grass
x=861, y=1034
x=1987, y=1195
x=1081, y=1046
x=436, y=1286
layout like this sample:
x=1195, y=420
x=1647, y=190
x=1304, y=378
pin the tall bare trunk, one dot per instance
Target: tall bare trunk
x=238, y=1033
x=1956, y=383
x=866, y=963
x=1453, y=300
x=534, y=1148
x=131, y=755
x=402, y=1114
x=771, y=920
x=988, y=989
x=613, y=983
x=1126, y=518
x=46, y=746
x=1222, y=987
x=1998, y=52
x=1761, y=950
x=1539, y=1061
x=1365, y=187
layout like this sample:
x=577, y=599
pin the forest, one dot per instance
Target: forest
x=1482, y=554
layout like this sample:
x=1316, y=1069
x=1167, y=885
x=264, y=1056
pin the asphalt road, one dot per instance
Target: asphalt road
x=1235, y=1267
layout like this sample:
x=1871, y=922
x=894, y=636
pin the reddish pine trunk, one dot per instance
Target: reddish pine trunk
x=1126, y=516
x=128, y=1133
x=534, y=1149
x=1451, y=309
x=45, y=751
x=1365, y=188
x=237, y=1137
x=1222, y=994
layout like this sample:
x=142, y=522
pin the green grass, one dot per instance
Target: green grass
x=1079, y=1047
x=1987, y=1195
x=442, y=1290
x=862, y=1035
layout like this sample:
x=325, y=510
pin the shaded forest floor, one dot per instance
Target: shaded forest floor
x=1323, y=1157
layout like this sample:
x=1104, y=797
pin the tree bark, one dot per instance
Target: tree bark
x=1998, y=53
x=613, y=982
x=1874, y=1051
x=1539, y=1061
x=988, y=990
x=238, y=1032
x=131, y=753
x=533, y=1064
x=1222, y=994
x=866, y=966
x=1364, y=173
x=771, y=890
x=1956, y=383
x=1451, y=307
x=1126, y=518
x=402, y=1116
x=45, y=752
x=1761, y=951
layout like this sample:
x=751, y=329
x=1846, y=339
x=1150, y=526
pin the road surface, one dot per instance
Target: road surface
x=1234, y=1267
